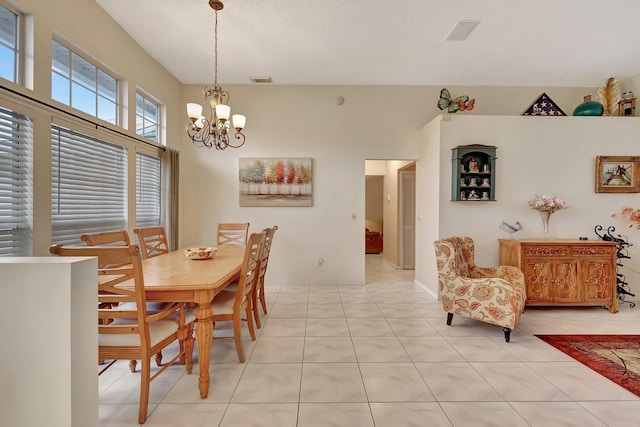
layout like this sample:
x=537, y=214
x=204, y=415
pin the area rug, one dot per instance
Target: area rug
x=616, y=357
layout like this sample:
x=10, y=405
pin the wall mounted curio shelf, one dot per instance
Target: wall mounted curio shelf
x=473, y=173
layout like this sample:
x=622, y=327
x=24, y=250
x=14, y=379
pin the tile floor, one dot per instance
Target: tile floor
x=382, y=355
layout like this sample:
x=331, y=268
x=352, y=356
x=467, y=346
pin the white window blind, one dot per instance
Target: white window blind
x=16, y=184
x=147, y=190
x=89, y=185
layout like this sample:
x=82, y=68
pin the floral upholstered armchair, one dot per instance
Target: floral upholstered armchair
x=494, y=295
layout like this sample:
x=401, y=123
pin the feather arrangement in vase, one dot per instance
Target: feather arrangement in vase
x=609, y=96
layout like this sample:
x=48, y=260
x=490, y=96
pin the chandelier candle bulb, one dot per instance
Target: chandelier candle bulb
x=239, y=121
x=223, y=112
x=194, y=111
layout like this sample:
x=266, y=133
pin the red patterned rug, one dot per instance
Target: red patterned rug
x=616, y=357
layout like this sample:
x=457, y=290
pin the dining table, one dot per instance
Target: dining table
x=172, y=277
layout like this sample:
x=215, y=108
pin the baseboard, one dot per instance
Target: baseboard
x=428, y=290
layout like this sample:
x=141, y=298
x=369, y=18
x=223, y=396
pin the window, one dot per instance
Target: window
x=80, y=84
x=147, y=114
x=147, y=190
x=16, y=184
x=89, y=185
x=9, y=44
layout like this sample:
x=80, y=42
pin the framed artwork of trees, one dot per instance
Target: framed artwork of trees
x=276, y=181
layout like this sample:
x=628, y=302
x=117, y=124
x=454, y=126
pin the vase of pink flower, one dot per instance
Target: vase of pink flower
x=547, y=205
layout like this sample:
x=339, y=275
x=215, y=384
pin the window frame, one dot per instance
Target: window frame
x=18, y=56
x=81, y=85
x=157, y=124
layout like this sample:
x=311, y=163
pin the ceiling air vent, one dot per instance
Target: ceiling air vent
x=261, y=79
x=462, y=29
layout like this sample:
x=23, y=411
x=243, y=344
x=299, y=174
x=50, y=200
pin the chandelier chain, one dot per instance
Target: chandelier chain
x=215, y=50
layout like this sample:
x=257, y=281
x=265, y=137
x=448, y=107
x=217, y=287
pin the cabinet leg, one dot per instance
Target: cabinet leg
x=449, y=318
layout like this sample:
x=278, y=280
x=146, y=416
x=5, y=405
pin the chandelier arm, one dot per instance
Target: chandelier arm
x=239, y=136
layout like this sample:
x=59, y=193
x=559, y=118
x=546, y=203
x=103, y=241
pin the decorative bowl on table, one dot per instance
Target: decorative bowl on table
x=201, y=253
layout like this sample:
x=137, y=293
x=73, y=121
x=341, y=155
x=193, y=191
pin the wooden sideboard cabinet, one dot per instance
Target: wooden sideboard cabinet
x=565, y=272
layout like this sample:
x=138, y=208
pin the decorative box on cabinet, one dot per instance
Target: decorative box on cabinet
x=473, y=173
x=565, y=272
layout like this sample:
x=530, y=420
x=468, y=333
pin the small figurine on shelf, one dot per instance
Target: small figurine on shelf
x=485, y=195
x=473, y=165
x=473, y=195
x=462, y=169
x=463, y=196
x=462, y=182
x=485, y=182
x=472, y=182
x=485, y=168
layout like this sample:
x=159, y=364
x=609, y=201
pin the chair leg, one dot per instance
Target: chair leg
x=507, y=334
x=145, y=375
x=132, y=365
x=262, y=298
x=237, y=335
x=159, y=359
x=252, y=331
x=255, y=308
x=449, y=318
x=189, y=350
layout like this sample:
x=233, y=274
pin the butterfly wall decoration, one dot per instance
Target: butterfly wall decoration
x=461, y=103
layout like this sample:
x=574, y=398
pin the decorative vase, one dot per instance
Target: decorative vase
x=589, y=108
x=545, y=222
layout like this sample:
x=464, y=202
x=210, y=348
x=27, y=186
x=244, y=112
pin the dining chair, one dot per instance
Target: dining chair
x=233, y=233
x=120, y=238
x=230, y=304
x=258, y=290
x=153, y=241
x=134, y=333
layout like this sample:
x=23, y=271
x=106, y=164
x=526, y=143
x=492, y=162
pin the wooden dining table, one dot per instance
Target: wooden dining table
x=173, y=277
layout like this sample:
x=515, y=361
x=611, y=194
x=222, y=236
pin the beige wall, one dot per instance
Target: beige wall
x=304, y=121
x=374, y=189
x=535, y=155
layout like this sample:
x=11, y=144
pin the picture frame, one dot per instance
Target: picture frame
x=618, y=174
x=275, y=182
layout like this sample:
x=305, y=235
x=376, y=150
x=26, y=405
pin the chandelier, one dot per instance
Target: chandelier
x=215, y=131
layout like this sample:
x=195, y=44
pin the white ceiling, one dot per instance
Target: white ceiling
x=390, y=42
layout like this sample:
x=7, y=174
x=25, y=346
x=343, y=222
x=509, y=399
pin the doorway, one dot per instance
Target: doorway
x=390, y=201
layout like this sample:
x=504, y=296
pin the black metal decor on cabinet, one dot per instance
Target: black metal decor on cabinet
x=622, y=252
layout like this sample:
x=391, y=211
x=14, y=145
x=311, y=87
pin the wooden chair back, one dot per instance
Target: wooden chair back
x=120, y=238
x=258, y=290
x=153, y=241
x=233, y=233
x=231, y=303
x=249, y=273
x=266, y=250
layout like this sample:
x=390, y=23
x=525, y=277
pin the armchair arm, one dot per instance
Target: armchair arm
x=491, y=300
x=479, y=288
x=511, y=274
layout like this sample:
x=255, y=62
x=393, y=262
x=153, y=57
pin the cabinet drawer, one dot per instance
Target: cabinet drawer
x=591, y=251
x=542, y=251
